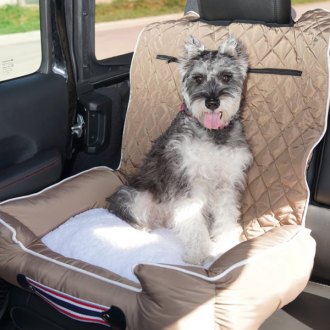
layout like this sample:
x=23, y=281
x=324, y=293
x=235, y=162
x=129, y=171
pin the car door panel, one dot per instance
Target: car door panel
x=322, y=175
x=103, y=110
x=102, y=91
x=33, y=133
x=318, y=215
x=35, y=173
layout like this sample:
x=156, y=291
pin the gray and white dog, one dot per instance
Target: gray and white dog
x=192, y=178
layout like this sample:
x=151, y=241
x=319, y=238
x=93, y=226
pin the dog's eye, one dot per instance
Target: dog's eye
x=226, y=77
x=198, y=78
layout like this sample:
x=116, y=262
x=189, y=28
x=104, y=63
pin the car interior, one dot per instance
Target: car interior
x=69, y=117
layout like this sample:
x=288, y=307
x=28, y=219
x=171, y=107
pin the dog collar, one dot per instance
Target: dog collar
x=183, y=107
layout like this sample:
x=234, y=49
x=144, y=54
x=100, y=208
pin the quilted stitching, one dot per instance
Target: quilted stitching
x=283, y=116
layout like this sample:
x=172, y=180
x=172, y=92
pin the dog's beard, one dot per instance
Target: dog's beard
x=218, y=118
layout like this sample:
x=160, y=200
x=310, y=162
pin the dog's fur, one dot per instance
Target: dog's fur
x=192, y=178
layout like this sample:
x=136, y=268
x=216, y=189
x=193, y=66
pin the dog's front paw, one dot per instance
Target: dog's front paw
x=196, y=258
x=139, y=226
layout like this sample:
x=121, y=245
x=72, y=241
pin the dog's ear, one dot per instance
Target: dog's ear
x=193, y=47
x=232, y=47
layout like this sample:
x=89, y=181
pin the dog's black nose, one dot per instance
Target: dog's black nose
x=212, y=104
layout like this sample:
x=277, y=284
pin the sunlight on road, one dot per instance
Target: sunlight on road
x=116, y=38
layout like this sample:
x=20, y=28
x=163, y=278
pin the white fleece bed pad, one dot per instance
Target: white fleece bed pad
x=102, y=239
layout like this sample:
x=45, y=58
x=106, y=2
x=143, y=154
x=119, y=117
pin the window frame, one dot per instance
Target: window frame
x=90, y=72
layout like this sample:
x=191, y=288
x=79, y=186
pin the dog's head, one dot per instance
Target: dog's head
x=212, y=81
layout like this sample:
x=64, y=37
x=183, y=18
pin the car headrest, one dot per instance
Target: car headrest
x=261, y=11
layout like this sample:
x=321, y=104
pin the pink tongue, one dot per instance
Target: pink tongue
x=212, y=120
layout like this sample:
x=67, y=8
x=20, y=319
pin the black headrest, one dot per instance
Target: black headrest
x=266, y=11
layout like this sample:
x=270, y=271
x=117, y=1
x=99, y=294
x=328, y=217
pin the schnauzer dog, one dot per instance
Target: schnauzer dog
x=192, y=178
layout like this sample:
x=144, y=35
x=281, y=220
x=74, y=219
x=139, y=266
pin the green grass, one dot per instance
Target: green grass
x=18, y=19
x=21, y=19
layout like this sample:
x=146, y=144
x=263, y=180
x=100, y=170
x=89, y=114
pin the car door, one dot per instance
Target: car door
x=37, y=108
x=67, y=115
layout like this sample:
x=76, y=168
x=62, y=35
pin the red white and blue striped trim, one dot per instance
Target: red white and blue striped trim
x=75, y=308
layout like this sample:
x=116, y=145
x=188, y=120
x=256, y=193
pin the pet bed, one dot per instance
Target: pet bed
x=99, y=237
x=284, y=116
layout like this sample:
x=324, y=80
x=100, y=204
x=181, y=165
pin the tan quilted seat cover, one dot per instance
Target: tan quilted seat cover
x=284, y=116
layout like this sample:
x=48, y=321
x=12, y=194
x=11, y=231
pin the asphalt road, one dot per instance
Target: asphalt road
x=115, y=42
x=20, y=53
x=115, y=38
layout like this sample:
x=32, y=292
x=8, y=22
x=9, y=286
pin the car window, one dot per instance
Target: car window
x=118, y=23
x=20, y=42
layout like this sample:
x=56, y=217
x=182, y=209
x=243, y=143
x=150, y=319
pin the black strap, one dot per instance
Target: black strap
x=282, y=72
x=167, y=58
